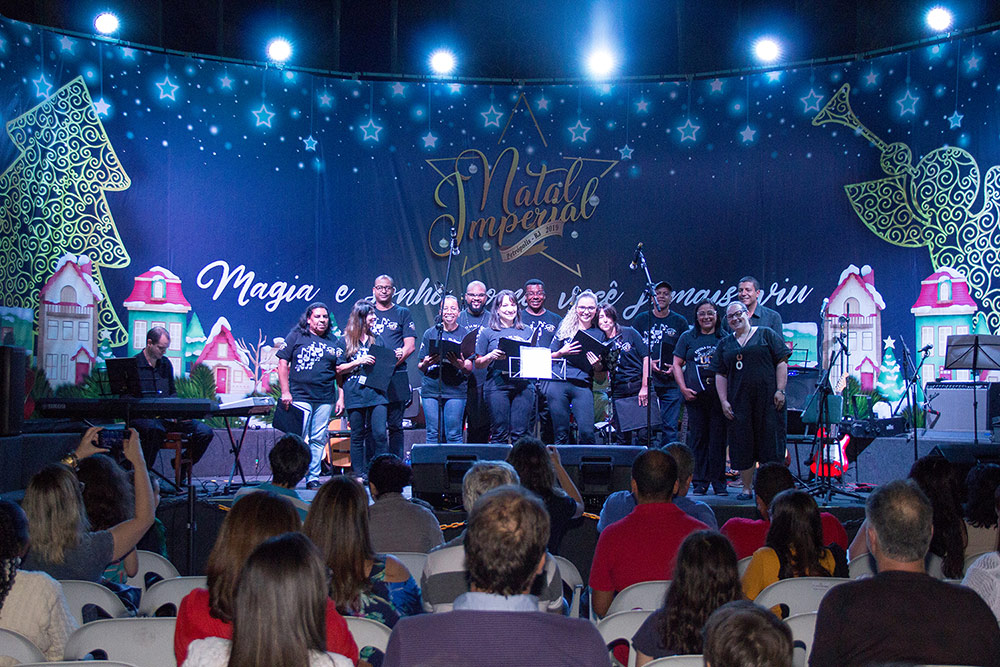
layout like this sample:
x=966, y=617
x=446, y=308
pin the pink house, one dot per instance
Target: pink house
x=157, y=300
x=67, y=321
x=221, y=354
x=944, y=308
x=855, y=312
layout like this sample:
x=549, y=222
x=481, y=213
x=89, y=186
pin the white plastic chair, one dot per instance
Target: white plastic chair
x=20, y=648
x=622, y=626
x=140, y=641
x=970, y=559
x=801, y=594
x=414, y=562
x=645, y=595
x=742, y=564
x=76, y=663
x=367, y=632
x=572, y=578
x=79, y=593
x=694, y=660
x=152, y=562
x=863, y=565
x=803, y=628
x=169, y=591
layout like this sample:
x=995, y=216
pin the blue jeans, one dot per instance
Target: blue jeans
x=454, y=409
x=670, y=412
x=367, y=423
x=315, y=431
x=512, y=409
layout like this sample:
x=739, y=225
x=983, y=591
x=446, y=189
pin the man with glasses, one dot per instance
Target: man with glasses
x=396, y=327
x=661, y=328
x=475, y=317
x=545, y=322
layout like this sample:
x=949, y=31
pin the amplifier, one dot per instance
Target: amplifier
x=874, y=428
x=954, y=400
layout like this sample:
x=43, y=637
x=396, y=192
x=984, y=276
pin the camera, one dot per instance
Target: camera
x=113, y=440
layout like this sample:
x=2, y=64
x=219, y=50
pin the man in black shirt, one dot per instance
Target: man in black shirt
x=396, y=327
x=546, y=323
x=156, y=378
x=475, y=317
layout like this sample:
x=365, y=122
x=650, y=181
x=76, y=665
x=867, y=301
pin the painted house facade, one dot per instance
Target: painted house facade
x=157, y=300
x=854, y=312
x=221, y=354
x=67, y=320
x=944, y=308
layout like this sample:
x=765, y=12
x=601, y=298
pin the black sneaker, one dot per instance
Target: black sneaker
x=701, y=491
x=313, y=484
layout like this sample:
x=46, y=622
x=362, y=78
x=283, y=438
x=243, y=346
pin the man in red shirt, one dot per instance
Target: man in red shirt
x=748, y=535
x=643, y=545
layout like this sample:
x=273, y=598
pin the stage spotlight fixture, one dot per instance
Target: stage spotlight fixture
x=106, y=23
x=766, y=50
x=279, y=50
x=939, y=19
x=442, y=62
x=601, y=63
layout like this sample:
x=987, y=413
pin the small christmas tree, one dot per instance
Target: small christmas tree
x=103, y=349
x=890, y=379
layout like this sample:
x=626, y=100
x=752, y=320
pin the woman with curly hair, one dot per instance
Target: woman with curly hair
x=705, y=578
x=980, y=508
x=538, y=467
x=794, y=545
x=31, y=603
x=108, y=500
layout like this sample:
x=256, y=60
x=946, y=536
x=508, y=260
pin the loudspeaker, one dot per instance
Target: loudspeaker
x=801, y=385
x=954, y=401
x=968, y=455
x=12, y=375
x=438, y=469
x=598, y=470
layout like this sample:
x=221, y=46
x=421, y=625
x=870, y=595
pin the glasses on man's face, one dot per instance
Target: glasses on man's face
x=383, y=288
x=735, y=316
x=476, y=296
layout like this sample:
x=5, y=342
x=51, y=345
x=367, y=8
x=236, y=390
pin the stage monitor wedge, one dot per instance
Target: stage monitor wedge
x=438, y=470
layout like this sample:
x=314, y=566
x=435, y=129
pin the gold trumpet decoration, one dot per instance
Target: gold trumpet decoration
x=930, y=204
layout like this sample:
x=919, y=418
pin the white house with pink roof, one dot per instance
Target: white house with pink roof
x=855, y=314
x=944, y=308
x=223, y=356
x=67, y=321
x=157, y=300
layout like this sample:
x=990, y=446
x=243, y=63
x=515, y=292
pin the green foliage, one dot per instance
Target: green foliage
x=200, y=383
x=852, y=389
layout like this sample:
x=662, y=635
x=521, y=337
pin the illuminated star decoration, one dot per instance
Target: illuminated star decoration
x=66, y=44
x=716, y=85
x=42, y=86
x=626, y=152
x=543, y=103
x=325, y=100
x=688, y=131
x=973, y=62
x=168, y=88
x=430, y=141
x=811, y=101
x=101, y=107
x=491, y=117
x=263, y=116
x=579, y=132
x=397, y=89
x=890, y=343
x=955, y=120
x=642, y=106
x=310, y=143
x=454, y=88
x=773, y=76
x=748, y=133
x=907, y=104
x=129, y=53
x=371, y=130
x=871, y=78
x=226, y=81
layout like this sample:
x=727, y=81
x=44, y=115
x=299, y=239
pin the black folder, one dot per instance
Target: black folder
x=291, y=420
x=380, y=373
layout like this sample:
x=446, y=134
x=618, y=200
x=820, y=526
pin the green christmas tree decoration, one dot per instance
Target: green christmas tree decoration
x=890, y=379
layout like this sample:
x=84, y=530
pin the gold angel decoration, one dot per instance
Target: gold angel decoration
x=930, y=204
x=52, y=200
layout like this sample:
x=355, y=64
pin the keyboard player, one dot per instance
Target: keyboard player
x=156, y=378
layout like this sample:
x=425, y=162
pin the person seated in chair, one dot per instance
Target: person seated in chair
x=289, y=459
x=397, y=524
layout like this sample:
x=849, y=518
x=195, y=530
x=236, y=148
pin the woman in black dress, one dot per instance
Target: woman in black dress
x=706, y=424
x=751, y=370
x=365, y=405
x=628, y=366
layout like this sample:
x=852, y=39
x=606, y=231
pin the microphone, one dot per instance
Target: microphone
x=635, y=258
x=926, y=348
x=454, y=241
x=822, y=309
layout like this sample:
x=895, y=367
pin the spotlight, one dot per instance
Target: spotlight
x=766, y=50
x=939, y=19
x=601, y=63
x=442, y=62
x=279, y=50
x=106, y=23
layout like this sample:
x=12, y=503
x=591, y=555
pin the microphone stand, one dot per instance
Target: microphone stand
x=911, y=390
x=439, y=325
x=651, y=304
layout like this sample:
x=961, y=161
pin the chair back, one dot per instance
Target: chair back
x=152, y=562
x=367, y=632
x=76, y=663
x=140, y=641
x=79, y=593
x=20, y=648
x=169, y=591
x=678, y=661
x=742, y=564
x=573, y=580
x=803, y=627
x=645, y=595
x=863, y=565
x=801, y=594
x=621, y=626
x=414, y=562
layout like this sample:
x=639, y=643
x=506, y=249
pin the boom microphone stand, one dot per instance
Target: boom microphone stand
x=439, y=325
x=650, y=292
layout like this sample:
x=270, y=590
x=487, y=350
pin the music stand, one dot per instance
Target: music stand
x=976, y=353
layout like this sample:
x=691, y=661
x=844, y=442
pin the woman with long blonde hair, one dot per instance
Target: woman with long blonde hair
x=575, y=393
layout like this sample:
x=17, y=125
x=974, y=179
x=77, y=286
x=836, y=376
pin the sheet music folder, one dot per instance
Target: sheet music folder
x=587, y=344
x=380, y=373
x=290, y=420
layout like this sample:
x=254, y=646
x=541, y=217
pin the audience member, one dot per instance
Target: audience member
x=748, y=535
x=742, y=634
x=705, y=578
x=444, y=577
x=209, y=612
x=980, y=508
x=62, y=543
x=983, y=576
x=155, y=539
x=620, y=503
x=283, y=579
x=498, y=622
x=794, y=545
x=902, y=614
x=108, y=499
x=643, y=545
x=31, y=603
x=290, y=459
x=397, y=524
x=538, y=468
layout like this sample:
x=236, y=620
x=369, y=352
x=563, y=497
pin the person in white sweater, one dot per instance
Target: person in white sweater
x=31, y=603
x=983, y=576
